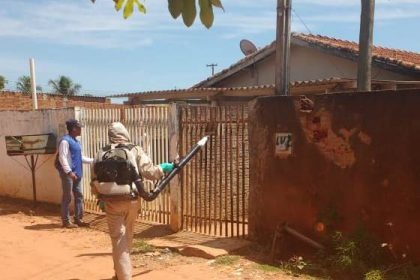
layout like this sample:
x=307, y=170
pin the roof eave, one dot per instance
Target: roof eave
x=236, y=67
x=351, y=55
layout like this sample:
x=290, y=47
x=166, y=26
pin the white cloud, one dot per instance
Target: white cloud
x=99, y=25
x=341, y=3
x=381, y=15
x=78, y=23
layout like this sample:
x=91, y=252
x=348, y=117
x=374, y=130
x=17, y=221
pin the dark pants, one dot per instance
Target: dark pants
x=70, y=186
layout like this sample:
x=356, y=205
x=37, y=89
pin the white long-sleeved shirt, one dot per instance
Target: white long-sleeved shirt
x=64, y=156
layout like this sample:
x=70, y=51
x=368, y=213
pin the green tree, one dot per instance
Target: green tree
x=186, y=8
x=65, y=86
x=3, y=82
x=24, y=85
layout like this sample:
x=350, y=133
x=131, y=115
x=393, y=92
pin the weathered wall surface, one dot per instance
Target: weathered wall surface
x=15, y=179
x=19, y=101
x=355, y=160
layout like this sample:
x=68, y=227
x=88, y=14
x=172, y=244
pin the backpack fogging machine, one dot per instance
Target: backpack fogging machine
x=163, y=183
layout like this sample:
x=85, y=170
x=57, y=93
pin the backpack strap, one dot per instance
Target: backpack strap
x=126, y=146
x=106, y=148
x=104, y=156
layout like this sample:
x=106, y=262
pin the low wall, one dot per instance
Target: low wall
x=20, y=101
x=353, y=159
x=15, y=178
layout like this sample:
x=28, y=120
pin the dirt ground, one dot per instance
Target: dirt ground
x=34, y=246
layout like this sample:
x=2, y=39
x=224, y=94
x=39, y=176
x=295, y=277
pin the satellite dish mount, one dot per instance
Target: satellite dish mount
x=247, y=47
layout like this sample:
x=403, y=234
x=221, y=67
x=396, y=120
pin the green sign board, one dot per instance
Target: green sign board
x=31, y=144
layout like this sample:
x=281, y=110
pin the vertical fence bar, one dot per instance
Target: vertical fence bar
x=220, y=161
x=202, y=181
x=191, y=170
x=238, y=196
x=243, y=171
x=206, y=190
x=213, y=171
x=225, y=163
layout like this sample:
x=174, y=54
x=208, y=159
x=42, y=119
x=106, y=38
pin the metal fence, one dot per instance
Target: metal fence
x=215, y=184
x=148, y=127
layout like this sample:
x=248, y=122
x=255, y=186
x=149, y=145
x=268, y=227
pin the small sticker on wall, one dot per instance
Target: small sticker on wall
x=284, y=144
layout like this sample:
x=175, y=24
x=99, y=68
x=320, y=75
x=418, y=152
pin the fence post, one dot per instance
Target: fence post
x=175, y=186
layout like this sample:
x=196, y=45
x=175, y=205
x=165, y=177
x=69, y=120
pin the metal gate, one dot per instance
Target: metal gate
x=148, y=127
x=215, y=184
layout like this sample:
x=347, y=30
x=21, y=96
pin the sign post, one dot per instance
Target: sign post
x=31, y=146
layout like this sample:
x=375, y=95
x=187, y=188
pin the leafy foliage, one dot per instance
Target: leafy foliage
x=374, y=275
x=186, y=8
x=227, y=260
x=3, y=82
x=24, y=85
x=268, y=268
x=142, y=247
x=65, y=86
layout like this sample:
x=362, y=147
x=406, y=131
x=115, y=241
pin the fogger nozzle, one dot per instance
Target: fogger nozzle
x=203, y=141
x=194, y=150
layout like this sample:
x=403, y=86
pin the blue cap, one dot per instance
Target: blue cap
x=72, y=123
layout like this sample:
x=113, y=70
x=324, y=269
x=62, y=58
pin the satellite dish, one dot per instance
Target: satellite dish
x=247, y=47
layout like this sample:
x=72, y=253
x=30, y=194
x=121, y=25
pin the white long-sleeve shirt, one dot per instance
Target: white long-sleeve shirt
x=64, y=156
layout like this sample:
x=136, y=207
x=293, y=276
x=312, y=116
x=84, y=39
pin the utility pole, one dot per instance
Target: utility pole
x=364, y=67
x=286, y=58
x=33, y=84
x=212, y=65
x=282, y=77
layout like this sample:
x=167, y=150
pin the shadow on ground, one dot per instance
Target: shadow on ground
x=43, y=226
x=9, y=206
x=95, y=255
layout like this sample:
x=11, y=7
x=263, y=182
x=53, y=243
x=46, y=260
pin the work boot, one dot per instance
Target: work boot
x=81, y=223
x=69, y=225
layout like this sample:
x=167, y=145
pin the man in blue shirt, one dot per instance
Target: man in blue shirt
x=70, y=162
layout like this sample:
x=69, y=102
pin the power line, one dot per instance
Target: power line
x=310, y=32
x=301, y=20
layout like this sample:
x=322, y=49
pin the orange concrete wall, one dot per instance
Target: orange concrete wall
x=354, y=155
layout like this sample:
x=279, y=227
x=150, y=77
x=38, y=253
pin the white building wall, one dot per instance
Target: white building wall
x=306, y=64
x=15, y=179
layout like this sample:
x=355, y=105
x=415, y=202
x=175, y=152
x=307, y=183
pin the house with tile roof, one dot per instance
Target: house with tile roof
x=315, y=57
x=319, y=65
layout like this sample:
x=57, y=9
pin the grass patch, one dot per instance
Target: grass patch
x=268, y=268
x=141, y=246
x=227, y=260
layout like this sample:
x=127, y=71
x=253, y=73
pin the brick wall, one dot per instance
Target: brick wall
x=20, y=101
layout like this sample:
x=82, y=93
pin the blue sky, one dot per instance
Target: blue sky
x=106, y=54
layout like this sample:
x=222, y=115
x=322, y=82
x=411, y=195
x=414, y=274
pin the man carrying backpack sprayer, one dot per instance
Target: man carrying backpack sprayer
x=69, y=162
x=117, y=180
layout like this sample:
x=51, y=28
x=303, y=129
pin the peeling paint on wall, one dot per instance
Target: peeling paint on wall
x=364, y=138
x=335, y=147
x=317, y=127
x=357, y=152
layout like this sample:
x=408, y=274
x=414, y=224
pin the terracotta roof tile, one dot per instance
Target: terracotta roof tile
x=402, y=58
x=198, y=90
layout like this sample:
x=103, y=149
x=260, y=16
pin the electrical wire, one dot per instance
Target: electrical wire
x=310, y=32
